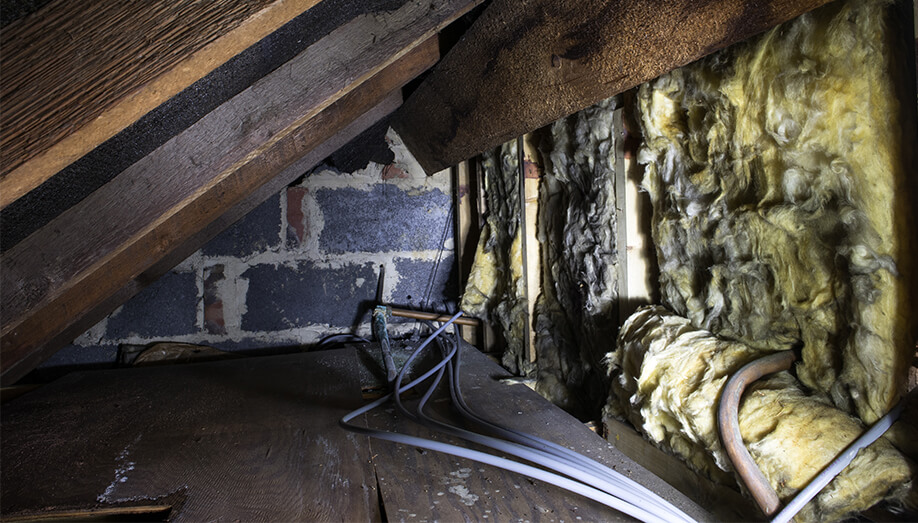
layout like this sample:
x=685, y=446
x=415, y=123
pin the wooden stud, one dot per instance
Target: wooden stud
x=532, y=173
x=465, y=234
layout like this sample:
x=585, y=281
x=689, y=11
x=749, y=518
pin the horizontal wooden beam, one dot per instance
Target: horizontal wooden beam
x=525, y=63
x=77, y=73
x=85, y=255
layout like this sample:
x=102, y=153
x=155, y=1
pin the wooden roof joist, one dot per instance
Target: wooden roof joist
x=91, y=258
x=525, y=63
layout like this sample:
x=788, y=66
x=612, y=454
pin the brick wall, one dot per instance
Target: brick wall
x=301, y=266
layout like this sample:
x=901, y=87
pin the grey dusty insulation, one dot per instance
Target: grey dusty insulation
x=575, y=315
x=495, y=291
x=780, y=197
x=668, y=382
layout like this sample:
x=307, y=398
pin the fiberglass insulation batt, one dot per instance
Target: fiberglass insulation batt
x=780, y=200
x=777, y=175
x=671, y=374
x=496, y=291
x=574, y=316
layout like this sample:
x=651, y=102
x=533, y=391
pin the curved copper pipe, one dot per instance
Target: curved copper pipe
x=728, y=425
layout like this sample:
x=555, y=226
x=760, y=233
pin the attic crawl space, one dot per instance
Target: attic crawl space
x=647, y=259
x=778, y=174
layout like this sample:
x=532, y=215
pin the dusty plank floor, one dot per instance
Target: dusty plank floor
x=257, y=439
x=248, y=439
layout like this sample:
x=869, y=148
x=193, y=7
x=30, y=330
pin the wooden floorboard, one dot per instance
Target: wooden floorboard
x=76, y=73
x=257, y=439
x=253, y=439
x=419, y=485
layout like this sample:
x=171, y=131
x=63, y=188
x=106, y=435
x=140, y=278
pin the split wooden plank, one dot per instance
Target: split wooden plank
x=131, y=513
x=524, y=64
x=447, y=488
x=86, y=254
x=253, y=439
x=76, y=74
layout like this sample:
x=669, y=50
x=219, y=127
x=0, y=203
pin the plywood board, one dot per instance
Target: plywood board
x=252, y=439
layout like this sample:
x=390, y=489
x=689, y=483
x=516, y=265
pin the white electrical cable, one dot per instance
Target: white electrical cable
x=551, y=455
x=619, y=492
x=583, y=463
x=833, y=469
x=535, y=456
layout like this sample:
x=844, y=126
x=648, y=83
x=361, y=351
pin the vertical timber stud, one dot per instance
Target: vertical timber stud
x=621, y=214
x=467, y=229
x=637, y=259
x=532, y=171
x=528, y=346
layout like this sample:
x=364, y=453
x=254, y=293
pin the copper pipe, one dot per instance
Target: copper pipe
x=728, y=425
x=433, y=316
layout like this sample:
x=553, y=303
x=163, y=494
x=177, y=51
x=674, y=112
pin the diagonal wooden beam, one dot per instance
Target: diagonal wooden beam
x=84, y=256
x=525, y=63
x=327, y=120
x=77, y=73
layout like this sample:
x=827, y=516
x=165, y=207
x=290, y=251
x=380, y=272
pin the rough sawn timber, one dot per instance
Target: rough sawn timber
x=525, y=63
x=77, y=73
x=85, y=255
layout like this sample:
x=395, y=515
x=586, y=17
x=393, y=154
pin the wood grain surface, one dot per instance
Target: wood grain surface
x=254, y=439
x=88, y=253
x=77, y=73
x=420, y=485
x=526, y=63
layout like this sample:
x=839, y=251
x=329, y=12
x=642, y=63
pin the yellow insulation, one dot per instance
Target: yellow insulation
x=780, y=199
x=670, y=378
x=781, y=219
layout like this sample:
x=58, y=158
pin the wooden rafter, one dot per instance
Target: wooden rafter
x=93, y=256
x=77, y=73
x=526, y=63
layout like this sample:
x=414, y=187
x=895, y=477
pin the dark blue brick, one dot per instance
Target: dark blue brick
x=166, y=308
x=384, y=219
x=413, y=278
x=77, y=356
x=281, y=297
x=255, y=232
